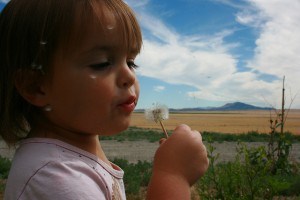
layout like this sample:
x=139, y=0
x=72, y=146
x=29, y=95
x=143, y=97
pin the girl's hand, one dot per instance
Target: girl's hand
x=182, y=156
x=178, y=163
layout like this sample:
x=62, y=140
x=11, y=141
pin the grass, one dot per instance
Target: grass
x=5, y=165
x=249, y=176
x=152, y=135
x=252, y=136
x=136, y=134
x=137, y=175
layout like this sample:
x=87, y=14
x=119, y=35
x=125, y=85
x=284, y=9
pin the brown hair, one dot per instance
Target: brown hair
x=31, y=32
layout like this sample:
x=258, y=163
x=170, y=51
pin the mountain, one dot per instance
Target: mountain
x=241, y=106
x=227, y=107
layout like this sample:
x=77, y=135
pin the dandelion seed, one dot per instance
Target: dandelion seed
x=157, y=114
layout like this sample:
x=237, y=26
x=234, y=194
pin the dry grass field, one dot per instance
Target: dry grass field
x=223, y=121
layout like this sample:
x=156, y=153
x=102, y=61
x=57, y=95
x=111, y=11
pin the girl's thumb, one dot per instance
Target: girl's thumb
x=162, y=140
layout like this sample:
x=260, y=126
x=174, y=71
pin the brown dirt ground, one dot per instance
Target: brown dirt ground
x=144, y=150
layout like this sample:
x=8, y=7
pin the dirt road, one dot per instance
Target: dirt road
x=144, y=150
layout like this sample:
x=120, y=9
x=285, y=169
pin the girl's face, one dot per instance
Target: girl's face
x=93, y=88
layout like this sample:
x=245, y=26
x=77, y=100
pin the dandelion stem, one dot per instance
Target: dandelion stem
x=163, y=128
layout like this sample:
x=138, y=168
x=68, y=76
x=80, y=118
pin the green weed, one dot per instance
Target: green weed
x=249, y=176
x=137, y=175
x=152, y=135
x=5, y=165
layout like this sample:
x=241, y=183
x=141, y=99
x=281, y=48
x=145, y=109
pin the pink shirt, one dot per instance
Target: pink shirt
x=45, y=169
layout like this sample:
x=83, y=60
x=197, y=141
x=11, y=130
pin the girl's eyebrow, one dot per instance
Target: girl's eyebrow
x=106, y=48
x=98, y=48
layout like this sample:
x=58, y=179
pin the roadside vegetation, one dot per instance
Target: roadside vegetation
x=154, y=135
x=4, y=170
x=254, y=174
x=263, y=172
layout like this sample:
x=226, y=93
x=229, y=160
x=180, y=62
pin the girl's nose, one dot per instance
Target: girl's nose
x=126, y=76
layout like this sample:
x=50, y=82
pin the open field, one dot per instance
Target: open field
x=223, y=121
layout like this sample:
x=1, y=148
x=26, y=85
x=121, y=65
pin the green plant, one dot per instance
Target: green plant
x=136, y=134
x=279, y=149
x=136, y=175
x=153, y=135
x=5, y=164
x=247, y=177
x=255, y=170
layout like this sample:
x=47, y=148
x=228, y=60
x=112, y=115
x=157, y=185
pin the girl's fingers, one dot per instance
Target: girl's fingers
x=198, y=133
x=183, y=126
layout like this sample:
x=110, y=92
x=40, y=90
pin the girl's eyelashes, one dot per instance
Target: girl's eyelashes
x=100, y=66
x=132, y=65
x=106, y=65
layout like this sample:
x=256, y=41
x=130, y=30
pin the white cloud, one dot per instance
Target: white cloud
x=137, y=3
x=231, y=3
x=278, y=45
x=158, y=29
x=159, y=88
x=206, y=62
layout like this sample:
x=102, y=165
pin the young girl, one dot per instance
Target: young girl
x=68, y=77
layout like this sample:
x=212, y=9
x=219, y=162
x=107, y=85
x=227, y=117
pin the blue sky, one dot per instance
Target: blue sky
x=200, y=53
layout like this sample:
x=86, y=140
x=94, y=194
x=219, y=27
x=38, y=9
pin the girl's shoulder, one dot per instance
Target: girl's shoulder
x=49, y=165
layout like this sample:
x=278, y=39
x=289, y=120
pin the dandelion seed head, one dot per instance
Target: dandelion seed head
x=157, y=113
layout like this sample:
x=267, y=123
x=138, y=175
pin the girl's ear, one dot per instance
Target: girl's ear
x=30, y=85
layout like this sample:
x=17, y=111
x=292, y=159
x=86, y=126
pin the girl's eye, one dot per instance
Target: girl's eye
x=132, y=65
x=100, y=66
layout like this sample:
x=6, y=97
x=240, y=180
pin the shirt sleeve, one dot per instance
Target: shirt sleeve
x=65, y=181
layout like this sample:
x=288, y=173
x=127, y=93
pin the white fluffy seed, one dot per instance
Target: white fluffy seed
x=157, y=113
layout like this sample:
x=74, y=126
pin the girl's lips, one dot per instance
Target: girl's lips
x=129, y=104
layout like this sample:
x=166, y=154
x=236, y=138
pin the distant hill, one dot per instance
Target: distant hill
x=227, y=107
x=241, y=106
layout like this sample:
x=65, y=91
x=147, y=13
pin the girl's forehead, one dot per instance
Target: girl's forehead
x=102, y=38
x=103, y=27
x=97, y=40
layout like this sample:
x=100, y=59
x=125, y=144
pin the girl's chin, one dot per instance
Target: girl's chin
x=114, y=130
